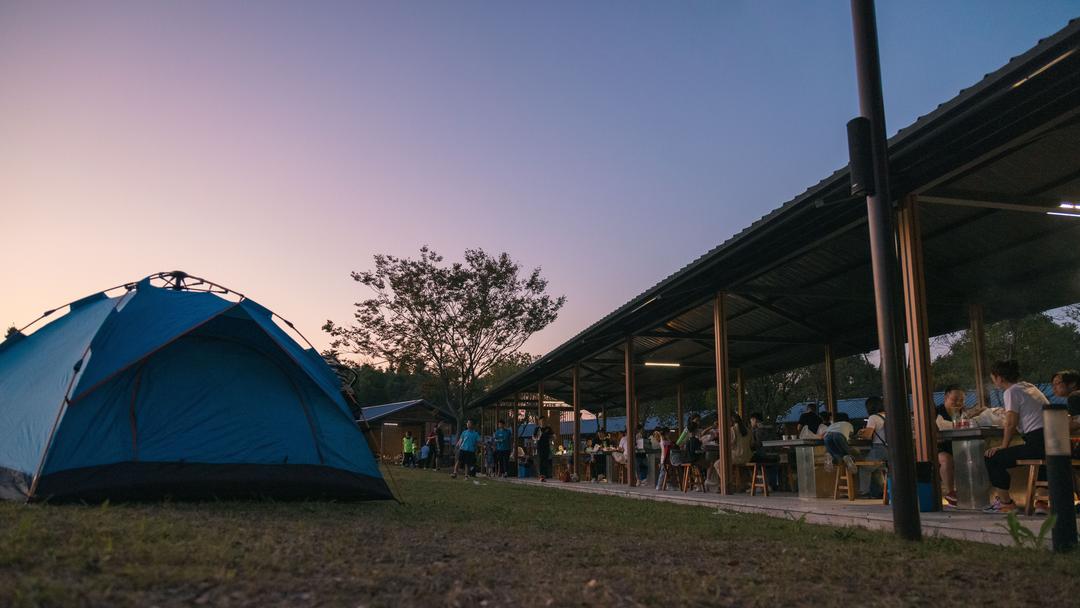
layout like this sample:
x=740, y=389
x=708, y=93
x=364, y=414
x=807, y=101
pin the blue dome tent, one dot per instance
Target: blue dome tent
x=172, y=389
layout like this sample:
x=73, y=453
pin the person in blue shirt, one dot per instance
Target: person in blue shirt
x=502, y=449
x=466, y=445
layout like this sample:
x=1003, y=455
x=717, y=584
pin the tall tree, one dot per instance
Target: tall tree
x=456, y=320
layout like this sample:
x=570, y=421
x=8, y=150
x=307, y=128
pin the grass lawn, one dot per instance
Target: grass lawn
x=456, y=543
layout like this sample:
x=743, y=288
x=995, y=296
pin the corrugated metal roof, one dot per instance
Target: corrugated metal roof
x=374, y=413
x=813, y=242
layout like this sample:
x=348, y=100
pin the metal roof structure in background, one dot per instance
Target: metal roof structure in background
x=856, y=407
x=417, y=410
x=986, y=166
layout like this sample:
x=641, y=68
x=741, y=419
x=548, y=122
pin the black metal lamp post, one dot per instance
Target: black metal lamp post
x=886, y=271
x=1059, y=475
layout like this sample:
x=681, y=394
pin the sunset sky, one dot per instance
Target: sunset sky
x=275, y=146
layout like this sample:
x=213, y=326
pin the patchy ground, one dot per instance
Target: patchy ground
x=465, y=543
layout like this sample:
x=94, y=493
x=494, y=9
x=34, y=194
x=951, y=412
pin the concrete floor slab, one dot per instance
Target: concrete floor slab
x=871, y=514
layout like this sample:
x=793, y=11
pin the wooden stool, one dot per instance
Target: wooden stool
x=758, y=470
x=738, y=471
x=844, y=482
x=620, y=473
x=671, y=476
x=691, y=478
x=1033, y=482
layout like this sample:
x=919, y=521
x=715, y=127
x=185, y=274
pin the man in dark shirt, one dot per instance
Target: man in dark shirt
x=1066, y=384
x=542, y=436
x=951, y=408
x=810, y=419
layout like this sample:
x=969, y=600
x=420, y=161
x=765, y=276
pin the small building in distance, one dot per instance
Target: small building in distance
x=385, y=425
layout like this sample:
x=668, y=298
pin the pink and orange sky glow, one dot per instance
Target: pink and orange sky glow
x=274, y=146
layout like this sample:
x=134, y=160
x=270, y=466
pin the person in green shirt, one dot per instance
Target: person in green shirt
x=408, y=454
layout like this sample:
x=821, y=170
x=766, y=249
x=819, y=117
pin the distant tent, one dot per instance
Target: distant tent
x=174, y=391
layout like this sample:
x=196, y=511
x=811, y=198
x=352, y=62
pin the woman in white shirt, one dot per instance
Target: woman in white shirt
x=1023, y=415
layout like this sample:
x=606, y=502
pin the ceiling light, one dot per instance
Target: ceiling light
x=1069, y=206
x=1063, y=214
x=660, y=364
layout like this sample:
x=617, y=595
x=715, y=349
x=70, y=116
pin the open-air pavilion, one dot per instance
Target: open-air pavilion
x=984, y=233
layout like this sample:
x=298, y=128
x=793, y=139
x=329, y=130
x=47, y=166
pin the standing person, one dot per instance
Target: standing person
x=433, y=449
x=542, y=438
x=502, y=449
x=875, y=432
x=466, y=444
x=639, y=454
x=667, y=441
x=425, y=455
x=408, y=458
x=488, y=450
x=836, y=438
x=1023, y=414
x=440, y=445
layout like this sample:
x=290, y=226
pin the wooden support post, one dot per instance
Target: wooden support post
x=830, y=381
x=576, y=451
x=918, y=334
x=722, y=406
x=516, y=429
x=740, y=394
x=631, y=413
x=978, y=348
x=678, y=407
x=539, y=400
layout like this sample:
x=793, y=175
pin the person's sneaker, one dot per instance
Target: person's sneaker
x=849, y=462
x=951, y=499
x=542, y=478
x=1000, y=507
x=1042, y=507
x=453, y=475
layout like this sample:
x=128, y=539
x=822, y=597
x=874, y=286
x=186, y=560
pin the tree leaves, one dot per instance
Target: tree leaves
x=457, y=321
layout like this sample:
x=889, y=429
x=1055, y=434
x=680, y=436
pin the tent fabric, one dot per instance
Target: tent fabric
x=152, y=318
x=35, y=373
x=186, y=395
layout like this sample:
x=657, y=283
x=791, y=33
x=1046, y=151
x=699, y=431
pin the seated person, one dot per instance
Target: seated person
x=950, y=410
x=620, y=454
x=809, y=422
x=1066, y=385
x=836, y=438
x=760, y=433
x=692, y=426
x=875, y=432
x=1023, y=416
